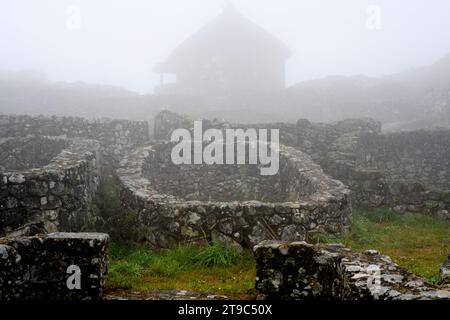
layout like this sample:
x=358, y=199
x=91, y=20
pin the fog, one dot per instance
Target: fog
x=118, y=42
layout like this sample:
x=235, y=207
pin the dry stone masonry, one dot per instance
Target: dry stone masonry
x=51, y=167
x=302, y=271
x=444, y=274
x=29, y=152
x=312, y=203
x=406, y=171
x=55, y=196
x=46, y=267
x=115, y=136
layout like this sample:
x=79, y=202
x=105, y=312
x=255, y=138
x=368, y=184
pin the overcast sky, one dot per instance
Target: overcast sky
x=118, y=42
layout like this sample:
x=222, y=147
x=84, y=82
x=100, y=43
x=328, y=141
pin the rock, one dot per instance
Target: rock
x=16, y=178
x=232, y=199
x=220, y=238
x=40, y=267
x=444, y=274
x=297, y=270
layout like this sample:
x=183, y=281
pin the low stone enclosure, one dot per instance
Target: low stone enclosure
x=57, y=266
x=301, y=271
x=50, y=170
x=47, y=184
x=406, y=171
x=177, y=203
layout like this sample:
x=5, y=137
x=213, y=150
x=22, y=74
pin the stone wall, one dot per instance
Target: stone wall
x=53, y=197
x=416, y=156
x=38, y=268
x=444, y=272
x=50, y=168
x=114, y=136
x=170, y=220
x=302, y=271
x=318, y=139
x=210, y=182
x=30, y=152
x=166, y=121
x=407, y=171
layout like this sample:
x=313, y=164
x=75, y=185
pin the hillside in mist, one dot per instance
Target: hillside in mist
x=419, y=95
x=412, y=99
x=30, y=92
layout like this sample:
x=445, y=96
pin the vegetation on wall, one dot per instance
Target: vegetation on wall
x=108, y=215
x=417, y=242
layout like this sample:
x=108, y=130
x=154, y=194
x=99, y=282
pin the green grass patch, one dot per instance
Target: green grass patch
x=416, y=242
x=208, y=268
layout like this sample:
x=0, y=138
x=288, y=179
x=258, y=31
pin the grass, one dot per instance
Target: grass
x=209, y=268
x=417, y=242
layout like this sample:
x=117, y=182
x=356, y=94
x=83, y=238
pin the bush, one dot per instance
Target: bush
x=217, y=255
x=108, y=215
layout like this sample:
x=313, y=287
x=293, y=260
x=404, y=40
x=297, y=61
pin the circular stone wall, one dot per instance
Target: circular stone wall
x=183, y=203
x=218, y=182
x=46, y=184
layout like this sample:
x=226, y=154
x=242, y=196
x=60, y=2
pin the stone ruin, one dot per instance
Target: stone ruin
x=38, y=267
x=50, y=169
x=301, y=271
x=406, y=171
x=182, y=203
x=50, y=172
x=47, y=184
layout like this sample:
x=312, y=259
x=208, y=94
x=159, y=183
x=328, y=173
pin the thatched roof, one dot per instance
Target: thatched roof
x=229, y=36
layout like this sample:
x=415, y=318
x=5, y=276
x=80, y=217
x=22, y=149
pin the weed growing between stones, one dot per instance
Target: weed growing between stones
x=108, y=215
x=416, y=242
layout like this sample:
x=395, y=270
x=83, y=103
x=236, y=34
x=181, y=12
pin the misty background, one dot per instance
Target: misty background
x=102, y=63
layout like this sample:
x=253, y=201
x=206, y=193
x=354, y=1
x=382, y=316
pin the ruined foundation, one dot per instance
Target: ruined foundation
x=46, y=184
x=177, y=204
x=50, y=169
x=301, y=271
x=39, y=267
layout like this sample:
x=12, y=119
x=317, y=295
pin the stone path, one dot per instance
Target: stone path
x=161, y=295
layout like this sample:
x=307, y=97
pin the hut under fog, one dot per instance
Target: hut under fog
x=229, y=56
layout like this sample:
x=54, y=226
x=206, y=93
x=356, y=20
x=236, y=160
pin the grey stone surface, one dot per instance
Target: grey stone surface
x=314, y=203
x=50, y=168
x=444, y=272
x=55, y=196
x=301, y=271
x=111, y=133
x=37, y=268
x=406, y=171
